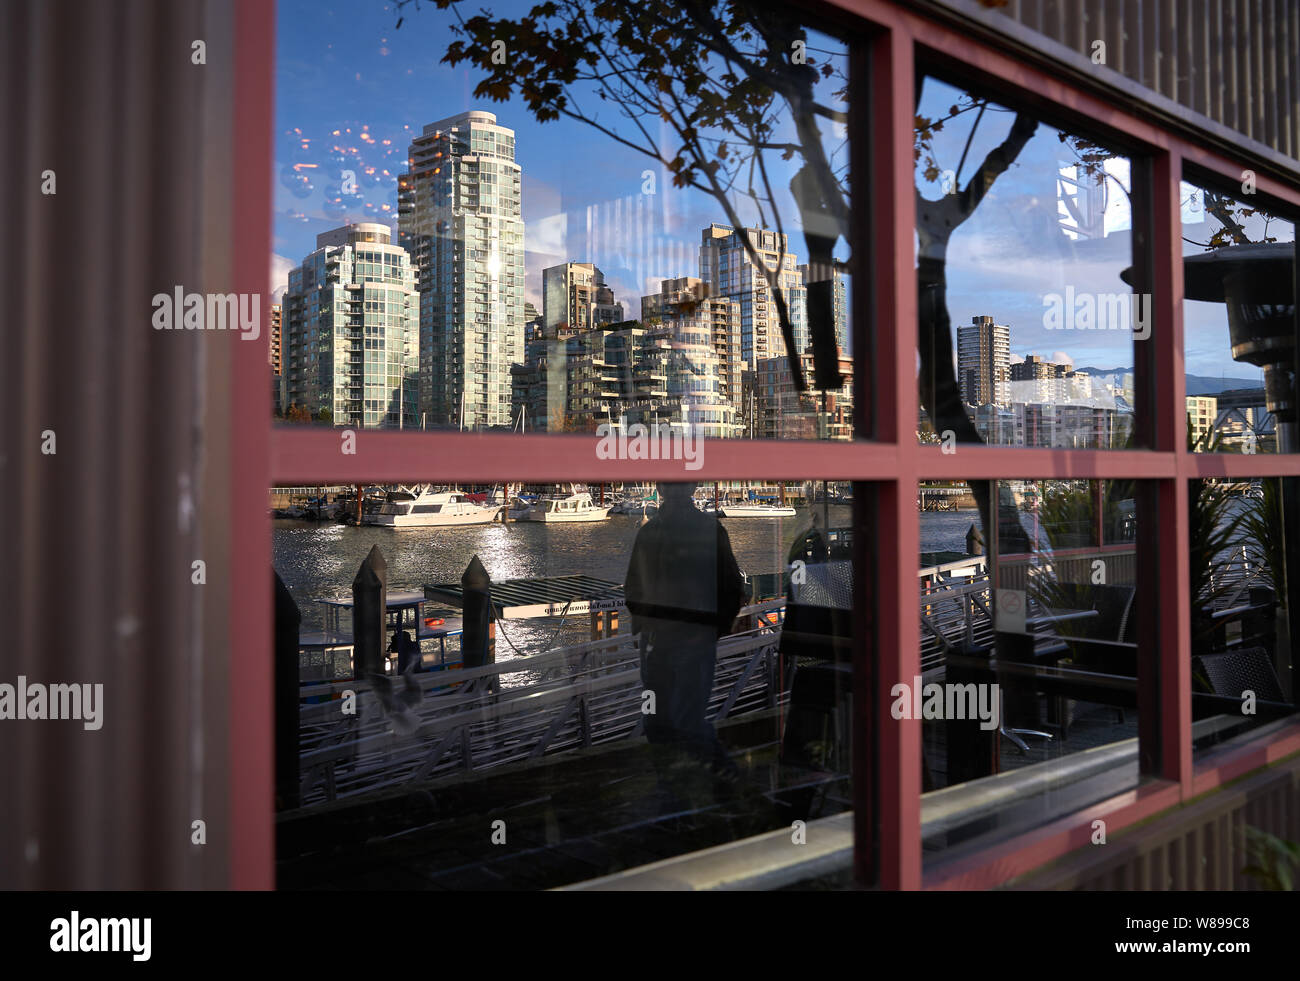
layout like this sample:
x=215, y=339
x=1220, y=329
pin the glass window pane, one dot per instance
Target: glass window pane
x=1243, y=639
x=1239, y=320
x=659, y=240
x=660, y=669
x=1024, y=237
x=1029, y=690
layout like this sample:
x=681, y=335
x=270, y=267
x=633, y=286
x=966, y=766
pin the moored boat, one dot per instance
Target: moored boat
x=574, y=507
x=432, y=509
x=752, y=510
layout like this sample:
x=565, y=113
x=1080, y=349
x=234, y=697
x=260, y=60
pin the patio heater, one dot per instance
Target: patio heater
x=1257, y=282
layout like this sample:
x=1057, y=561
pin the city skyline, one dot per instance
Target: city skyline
x=600, y=213
x=584, y=197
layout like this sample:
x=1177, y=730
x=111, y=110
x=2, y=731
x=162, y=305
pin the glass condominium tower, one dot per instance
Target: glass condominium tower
x=460, y=216
x=726, y=266
x=351, y=353
x=984, y=362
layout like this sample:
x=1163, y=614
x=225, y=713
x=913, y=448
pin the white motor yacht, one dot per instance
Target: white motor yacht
x=575, y=507
x=752, y=510
x=431, y=509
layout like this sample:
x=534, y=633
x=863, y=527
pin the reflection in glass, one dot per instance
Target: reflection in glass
x=1026, y=328
x=620, y=674
x=1242, y=640
x=1029, y=649
x=648, y=228
x=1239, y=283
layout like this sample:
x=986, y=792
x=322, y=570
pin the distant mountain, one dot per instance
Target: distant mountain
x=1207, y=385
x=1196, y=384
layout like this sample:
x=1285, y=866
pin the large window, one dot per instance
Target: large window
x=1033, y=677
x=585, y=615
x=1027, y=326
x=561, y=684
x=659, y=238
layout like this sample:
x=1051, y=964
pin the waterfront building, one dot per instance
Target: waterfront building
x=459, y=214
x=574, y=294
x=778, y=411
x=1202, y=412
x=701, y=320
x=1000, y=425
x=839, y=302
x=1058, y=425
x=984, y=362
x=657, y=373
x=728, y=269
x=1036, y=380
x=350, y=328
x=277, y=375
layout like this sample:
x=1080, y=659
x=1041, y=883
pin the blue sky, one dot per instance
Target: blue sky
x=351, y=91
x=1012, y=251
x=343, y=67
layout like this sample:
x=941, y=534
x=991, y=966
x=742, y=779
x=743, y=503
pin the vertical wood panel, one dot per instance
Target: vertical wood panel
x=1232, y=61
x=97, y=588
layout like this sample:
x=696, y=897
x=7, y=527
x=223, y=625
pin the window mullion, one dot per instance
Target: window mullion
x=895, y=643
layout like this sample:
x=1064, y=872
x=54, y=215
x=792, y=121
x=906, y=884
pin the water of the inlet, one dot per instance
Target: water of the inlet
x=318, y=560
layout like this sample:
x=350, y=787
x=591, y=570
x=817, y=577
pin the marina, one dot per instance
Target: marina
x=427, y=505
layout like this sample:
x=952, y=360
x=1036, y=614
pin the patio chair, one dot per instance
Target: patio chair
x=1246, y=669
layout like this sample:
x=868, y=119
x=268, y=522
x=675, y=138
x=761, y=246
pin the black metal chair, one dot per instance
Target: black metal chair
x=1231, y=673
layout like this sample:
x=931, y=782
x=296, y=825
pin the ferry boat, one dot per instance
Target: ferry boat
x=576, y=506
x=327, y=656
x=430, y=509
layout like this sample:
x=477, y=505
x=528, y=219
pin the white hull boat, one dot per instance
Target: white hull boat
x=428, y=509
x=755, y=511
x=575, y=507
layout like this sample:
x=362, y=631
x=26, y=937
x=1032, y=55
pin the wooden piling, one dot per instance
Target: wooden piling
x=369, y=605
x=287, y=621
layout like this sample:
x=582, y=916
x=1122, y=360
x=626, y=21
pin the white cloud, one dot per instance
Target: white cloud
x=280, y=266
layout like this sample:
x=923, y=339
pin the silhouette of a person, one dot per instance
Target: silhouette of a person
x=683, y=591
x=407, y=650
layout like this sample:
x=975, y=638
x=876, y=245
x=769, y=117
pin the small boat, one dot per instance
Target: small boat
x=430, y=509
x=751, y=510
x=574, y=507
x=519, y=508
x=635, y=505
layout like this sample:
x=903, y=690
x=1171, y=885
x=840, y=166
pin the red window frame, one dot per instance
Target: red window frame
x=887, y=783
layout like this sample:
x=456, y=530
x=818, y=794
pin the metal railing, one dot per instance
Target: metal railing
x=575, y=697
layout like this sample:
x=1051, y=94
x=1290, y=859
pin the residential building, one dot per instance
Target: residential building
x=277, y=375
x=984, y=362
x=699, y=319
x=778, y=411
x=575, y=294
x=839, y=302
x=729, y=270
x=350, y=324
x=1202, y=411
x=459, y=214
